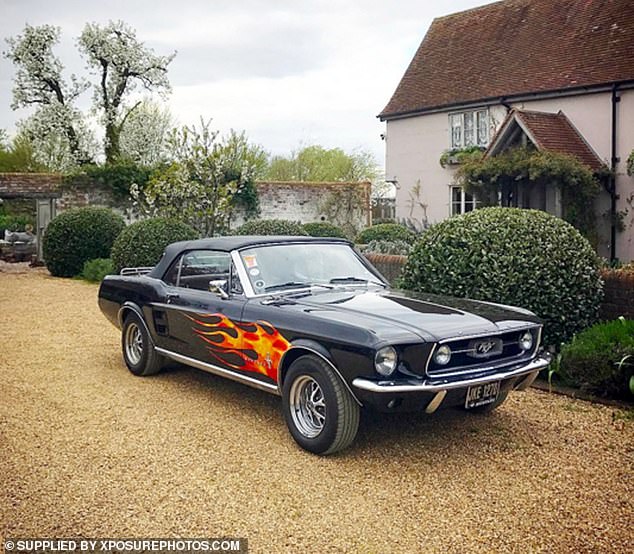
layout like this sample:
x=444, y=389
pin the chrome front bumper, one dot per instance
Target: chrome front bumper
x=529, y=370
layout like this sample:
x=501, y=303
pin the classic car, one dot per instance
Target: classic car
x=311, y=320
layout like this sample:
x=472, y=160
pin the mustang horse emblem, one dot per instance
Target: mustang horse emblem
x=484, y=347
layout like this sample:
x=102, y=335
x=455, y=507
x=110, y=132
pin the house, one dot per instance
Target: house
x=554, y=74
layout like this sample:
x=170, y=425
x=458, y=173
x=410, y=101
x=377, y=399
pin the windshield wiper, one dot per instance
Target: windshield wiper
x=352, y=279
x=287, y=285
x=291, y=284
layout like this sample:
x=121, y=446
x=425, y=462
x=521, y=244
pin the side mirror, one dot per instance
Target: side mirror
x=219, y=287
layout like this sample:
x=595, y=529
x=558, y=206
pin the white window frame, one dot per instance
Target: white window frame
x=467, y=129
x=462, y=205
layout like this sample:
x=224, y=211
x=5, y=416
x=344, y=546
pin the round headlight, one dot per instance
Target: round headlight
x=442, y=355
x=385, y=361
x=526, y=341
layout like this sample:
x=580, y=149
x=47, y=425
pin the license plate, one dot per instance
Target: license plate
x=481, y=395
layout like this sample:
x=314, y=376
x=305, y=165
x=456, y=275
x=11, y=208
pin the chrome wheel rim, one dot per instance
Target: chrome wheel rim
x=133, y=343
x=308, y=406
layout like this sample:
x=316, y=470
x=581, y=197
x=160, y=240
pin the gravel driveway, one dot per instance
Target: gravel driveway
x=87, y=449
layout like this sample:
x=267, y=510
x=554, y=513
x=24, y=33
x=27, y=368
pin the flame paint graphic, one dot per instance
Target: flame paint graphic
x=256, y=347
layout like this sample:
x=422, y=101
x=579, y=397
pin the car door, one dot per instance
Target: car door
x=202, y=310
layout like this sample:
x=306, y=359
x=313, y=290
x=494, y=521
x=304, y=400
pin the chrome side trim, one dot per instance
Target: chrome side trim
x=308, y=349
x=222, y=372
x=134, y=308
x=436, y=401
x=429, y=385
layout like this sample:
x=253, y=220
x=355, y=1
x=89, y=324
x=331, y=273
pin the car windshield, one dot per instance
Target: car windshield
x=291, y=266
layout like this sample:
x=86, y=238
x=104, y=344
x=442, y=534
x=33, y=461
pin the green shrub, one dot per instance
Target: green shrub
x=601, y=359
x=396, y=247
x=525, y=258
x=386, y=231
x=14, y=223
x=142, y=243
x=323, y=229
x=118, y=176
x=271, y=227
x=95, y=270
x=76, y=236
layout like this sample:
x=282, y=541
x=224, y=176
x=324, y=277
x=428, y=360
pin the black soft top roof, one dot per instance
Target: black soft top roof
x=227, y=244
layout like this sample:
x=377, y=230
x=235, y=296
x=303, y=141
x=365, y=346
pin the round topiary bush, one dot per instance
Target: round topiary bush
x=386, y=231
x=323, y=229
x=524, y=258
x=271, y=227
x=76, y=236
x=142, y=243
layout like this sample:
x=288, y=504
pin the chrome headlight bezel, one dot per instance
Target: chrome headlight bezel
x=385, y=361
x=442, y=355
x=526, y=341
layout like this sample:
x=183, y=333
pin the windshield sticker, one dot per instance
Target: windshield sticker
x=250, y=261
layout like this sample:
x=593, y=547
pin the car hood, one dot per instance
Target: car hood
x=395, y=315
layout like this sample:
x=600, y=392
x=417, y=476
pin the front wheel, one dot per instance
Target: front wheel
x=321, y=414
x=138, y=351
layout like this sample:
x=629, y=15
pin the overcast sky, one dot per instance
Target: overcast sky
x=288, y=72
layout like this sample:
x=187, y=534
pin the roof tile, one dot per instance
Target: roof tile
x=517, y=47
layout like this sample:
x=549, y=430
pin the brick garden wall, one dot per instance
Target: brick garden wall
x=390, y=266
x=619, y=294
x=346, y=204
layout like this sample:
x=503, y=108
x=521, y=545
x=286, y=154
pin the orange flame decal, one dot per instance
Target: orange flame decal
x=256, y=347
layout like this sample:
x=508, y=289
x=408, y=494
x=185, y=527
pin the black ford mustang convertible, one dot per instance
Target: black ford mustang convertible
x=311, y=320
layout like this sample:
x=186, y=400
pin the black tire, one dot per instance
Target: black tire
x=138, y=351
x=488, y=408
x=334, y=405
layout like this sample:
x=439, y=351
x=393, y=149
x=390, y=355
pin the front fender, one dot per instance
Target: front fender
x=301, y=347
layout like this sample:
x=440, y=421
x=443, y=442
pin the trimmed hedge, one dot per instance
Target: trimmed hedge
x=524, y=258
x=323, y=229
x=386, y=231
x=601, y=359
x=76, y=236
x=271, y=227
x=394, y=247
x=143, y=243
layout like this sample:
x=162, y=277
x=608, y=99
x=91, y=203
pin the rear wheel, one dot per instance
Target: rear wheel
x=138, y=351
x=321, y=414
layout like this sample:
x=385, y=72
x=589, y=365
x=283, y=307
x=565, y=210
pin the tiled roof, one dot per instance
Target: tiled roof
x=518, y=47
x=549, y=131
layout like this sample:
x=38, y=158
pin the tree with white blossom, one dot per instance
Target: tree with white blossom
x=201, y=185
x=143, y=138
x=39, y=83
x=122, y=63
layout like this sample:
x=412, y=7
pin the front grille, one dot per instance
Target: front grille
x=475, y=353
